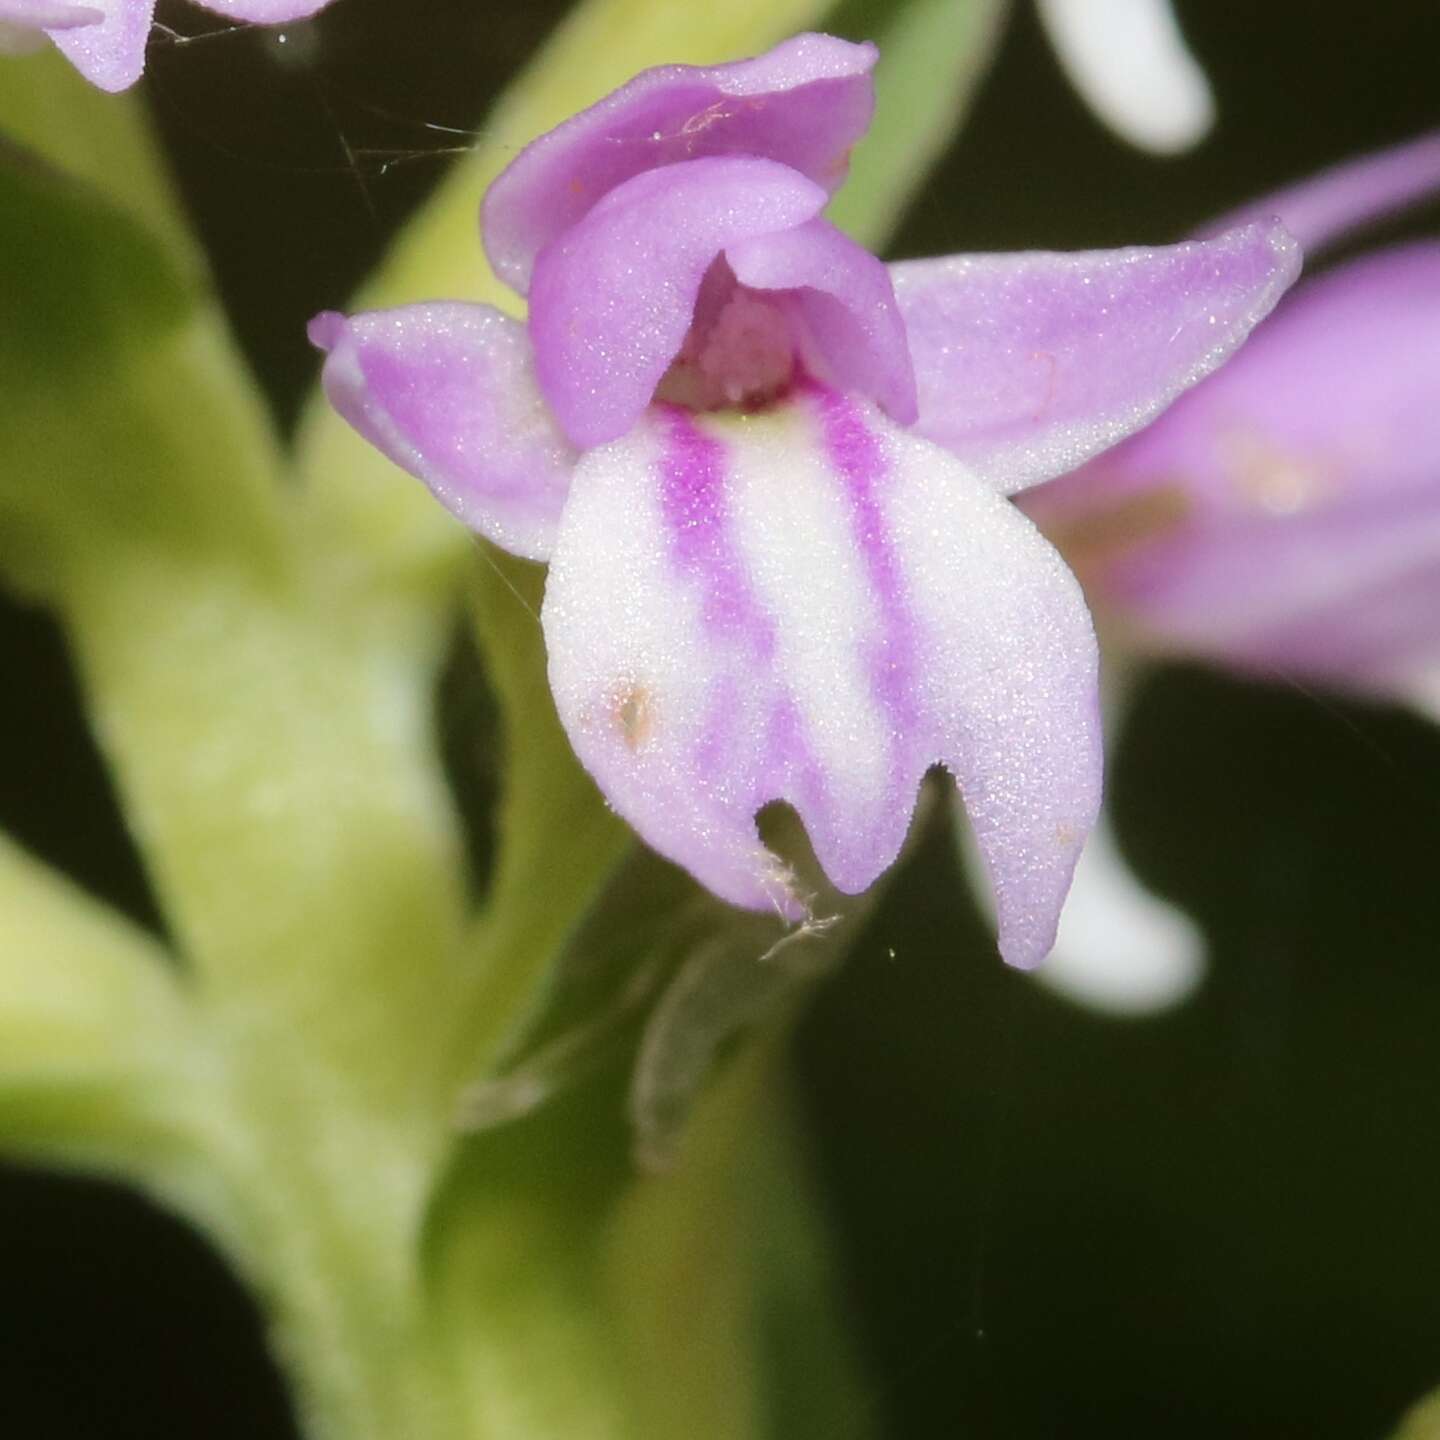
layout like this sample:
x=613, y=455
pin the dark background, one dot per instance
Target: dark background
x=1218, y=1223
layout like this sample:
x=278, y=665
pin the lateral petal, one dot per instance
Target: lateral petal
x=448, y=392
x=847, y=306
x=811, y=605
x=614, y=296
x=803, y=104
x=1028, y=364
x=109, y=53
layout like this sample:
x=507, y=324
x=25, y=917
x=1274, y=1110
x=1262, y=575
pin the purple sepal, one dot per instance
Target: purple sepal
x=448, y=392
x=802, y=104
x=1285, y=515
x=1029, y=364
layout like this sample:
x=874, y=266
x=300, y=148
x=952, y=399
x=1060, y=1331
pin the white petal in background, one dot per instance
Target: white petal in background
x=1420, y=689
x=1130, y=62
x=1121, y=950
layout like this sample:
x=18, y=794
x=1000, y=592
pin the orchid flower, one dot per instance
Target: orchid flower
x=770, y=473
x=1282, y=518
x=1130, y=62
x=105, y=39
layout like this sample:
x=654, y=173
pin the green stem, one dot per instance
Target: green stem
x=522, y=1285
x=337, y=1269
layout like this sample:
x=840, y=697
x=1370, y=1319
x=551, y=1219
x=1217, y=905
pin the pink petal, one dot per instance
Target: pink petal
x=613, y=298
x=808, y=604
x=108, y=46
x=1325, y=208
x=448, y=392
x=265, y=12
x=1294, y=497
x=1028, y=364
x=804, y=104
x=47, y=14
x=847, y=306
x=110, y=53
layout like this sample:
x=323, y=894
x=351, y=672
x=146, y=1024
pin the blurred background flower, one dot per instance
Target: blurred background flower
x=1130, y=62
x=1277, y=522
x=1279, y=519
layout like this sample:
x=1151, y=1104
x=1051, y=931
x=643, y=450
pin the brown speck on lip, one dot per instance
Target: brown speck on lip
x=634, y=712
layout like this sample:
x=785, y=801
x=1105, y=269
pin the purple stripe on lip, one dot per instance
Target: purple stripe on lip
x=692, y=496
x=694, y=504
x=856, y=457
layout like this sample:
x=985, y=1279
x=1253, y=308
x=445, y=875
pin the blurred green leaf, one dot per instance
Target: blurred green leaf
x=681, y=1264
x=271, y=734
x=557, y=841
x=105, y=141
x=116, y=375
x=1423, y=1422
x=575, y=1296
x=587, y=1009
x=933, y=53
x=518, y=1314
x=812, y=1382
x=81, y=990
x=103, y=1065
x=740, y=975
x=94, y=1030
x=657, y=965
